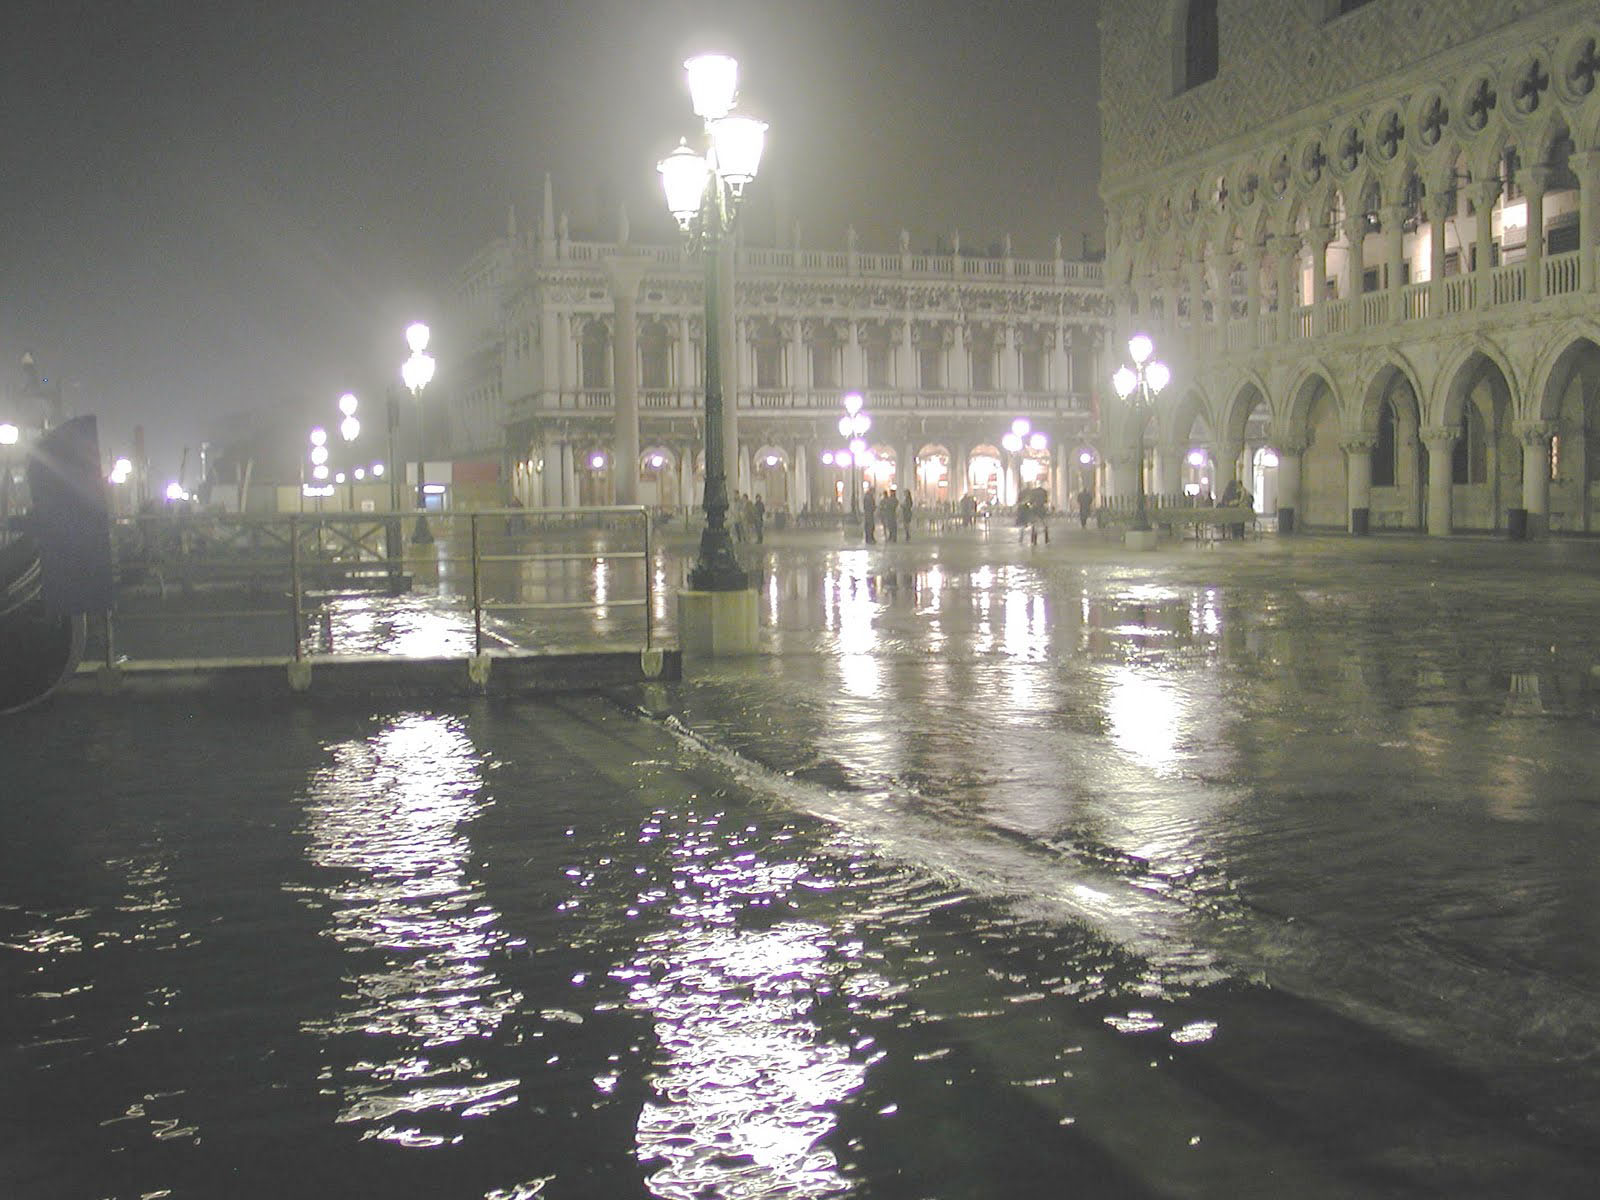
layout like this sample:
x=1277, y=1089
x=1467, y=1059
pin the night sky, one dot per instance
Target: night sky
x=218, y=210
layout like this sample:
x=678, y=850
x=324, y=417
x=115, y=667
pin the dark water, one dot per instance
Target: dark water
x=1002, y=874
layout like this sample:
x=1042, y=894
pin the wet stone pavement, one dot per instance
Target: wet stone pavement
x=1255, y=869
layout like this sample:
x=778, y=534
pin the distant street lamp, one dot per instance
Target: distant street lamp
x=1139, y=385
x=416, y=372
x=703, y=193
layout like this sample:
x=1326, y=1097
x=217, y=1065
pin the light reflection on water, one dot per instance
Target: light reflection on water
x=388, y=815
x=744, y=1097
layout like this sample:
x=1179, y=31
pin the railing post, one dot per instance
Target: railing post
x=649, y=577
x=294, y=580
x=477, y=590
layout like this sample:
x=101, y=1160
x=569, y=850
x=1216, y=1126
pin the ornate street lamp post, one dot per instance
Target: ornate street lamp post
x=1139, y=385
x=703, y=193
x=416, y=372
x=853, y=428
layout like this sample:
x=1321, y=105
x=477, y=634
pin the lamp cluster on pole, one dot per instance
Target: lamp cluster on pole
x=1139, y=385
x=853, y=428
x=416, y=372
x=1022, y=437
x=703, y=192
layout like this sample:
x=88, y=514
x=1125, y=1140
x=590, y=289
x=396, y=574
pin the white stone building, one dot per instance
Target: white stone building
x=581, y=365
x=1363, y=234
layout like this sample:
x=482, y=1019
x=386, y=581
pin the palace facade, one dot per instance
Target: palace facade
x=582, y=370
x=1363, y=235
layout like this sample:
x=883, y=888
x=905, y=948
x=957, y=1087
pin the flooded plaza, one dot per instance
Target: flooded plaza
x=1255, y=869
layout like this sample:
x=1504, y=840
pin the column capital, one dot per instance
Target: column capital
x=1537, y=433
x=1439, y=206
x=1585, y=163
x=1440, y=435
x=1536, y=180
x=1354, y=228
x=1319, y=237
x=1484, y=193
x=1393, y=216
x=1359, y=443
x=1289, y=447
x=1284, y=245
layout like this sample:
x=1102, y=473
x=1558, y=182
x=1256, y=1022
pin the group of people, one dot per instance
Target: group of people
x=748, y=518
x=894, y=511
x=1236, y=495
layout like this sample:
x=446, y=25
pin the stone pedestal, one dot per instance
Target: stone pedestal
x=1139, y=539
x=718, y=623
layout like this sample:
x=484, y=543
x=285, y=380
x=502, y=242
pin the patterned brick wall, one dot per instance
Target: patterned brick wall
x=1276, y=58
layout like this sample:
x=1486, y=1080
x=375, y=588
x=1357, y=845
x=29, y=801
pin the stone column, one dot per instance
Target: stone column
x=687, y=492
x=1535, y=182
x=1286, y=250
x=1120, y=477
x=1587, y=167
x=799, y=375
x=1225, y=458
x=550, y=474
x=1169, y=469
x=1060, y=380
x=569, y=476
x=1439, y=210
x=1289, y=455
x=1483, y=197
x=1535, y=518
x=855, y=358
x=800, y=475
x=1441, y=444
x=905, y=374
x=1355, y=232
x=1358, y=481
x=906, y=468
x=1393, y=217
x=625, y=274
x=1006, y=368
x=687, y=379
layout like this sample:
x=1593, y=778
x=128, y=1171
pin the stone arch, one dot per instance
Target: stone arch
x=1243, y=399
x=1390, y=419
x=1314, y=429
x=1551, y=371
x=1444, y=405
x=1568, y=427
x=1478, y=396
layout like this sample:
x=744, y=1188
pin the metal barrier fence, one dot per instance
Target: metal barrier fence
x=202, y=586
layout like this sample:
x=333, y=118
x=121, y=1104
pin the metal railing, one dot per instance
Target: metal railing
x=199, y=587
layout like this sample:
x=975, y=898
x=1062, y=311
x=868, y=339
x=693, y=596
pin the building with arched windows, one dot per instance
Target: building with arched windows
x=1363, y=235
x=581, y=366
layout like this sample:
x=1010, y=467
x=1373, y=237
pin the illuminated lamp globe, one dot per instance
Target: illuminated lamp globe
x=713, y=84
x=683, y=179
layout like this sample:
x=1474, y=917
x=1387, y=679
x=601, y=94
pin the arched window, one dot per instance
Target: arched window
x=1199, y=43
x=1383, y=452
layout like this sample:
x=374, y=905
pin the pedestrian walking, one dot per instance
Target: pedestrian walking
x=869, y=514
x=1085, y=506
x=891, y=514
x=758, y=512
x=905, y=513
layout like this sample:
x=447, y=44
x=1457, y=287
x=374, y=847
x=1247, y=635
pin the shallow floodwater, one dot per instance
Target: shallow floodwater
x=1240, y=871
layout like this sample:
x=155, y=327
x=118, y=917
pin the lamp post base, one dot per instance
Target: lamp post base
x=717, y=569
x=422, y=535
x=1140, y=539
x=718, y=623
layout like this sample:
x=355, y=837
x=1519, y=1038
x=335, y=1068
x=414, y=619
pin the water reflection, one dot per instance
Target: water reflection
x=388, y=816
x=745, y=1095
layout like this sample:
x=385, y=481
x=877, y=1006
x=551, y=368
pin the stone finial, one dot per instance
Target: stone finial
x=561, y=228
x=547, y=220
x=905, y=241
x=850, y=238
x=955, y=243
x=1058, y=247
